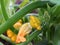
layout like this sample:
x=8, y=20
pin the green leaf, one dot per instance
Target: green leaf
x=56, y=10
x=57, y=35
x=41, y=14
x=1, y=19
x=55, y=14
x=6, y=2
x=4, y=10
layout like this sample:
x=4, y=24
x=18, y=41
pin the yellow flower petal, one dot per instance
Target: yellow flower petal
x=13, y=38
x=9, y=33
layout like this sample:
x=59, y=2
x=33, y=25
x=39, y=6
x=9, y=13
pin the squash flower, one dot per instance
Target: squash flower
x=23, y=31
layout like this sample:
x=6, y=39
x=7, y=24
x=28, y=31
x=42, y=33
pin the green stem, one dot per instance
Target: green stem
x=51, y=33
x=4, y=10
x=6, y=38
x=5, y=14
x=21, y=13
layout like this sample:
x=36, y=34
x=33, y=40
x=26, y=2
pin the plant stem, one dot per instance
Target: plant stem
x=4, y=10
x=5, y=14
x=21, y=13
x=6, y=38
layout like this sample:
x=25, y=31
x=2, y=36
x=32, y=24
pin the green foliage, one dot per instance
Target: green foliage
x=57, y=35
x=55, y=14
x=48, y=15
x=22, y=13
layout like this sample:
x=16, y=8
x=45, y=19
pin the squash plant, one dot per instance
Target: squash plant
x=48, y=14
